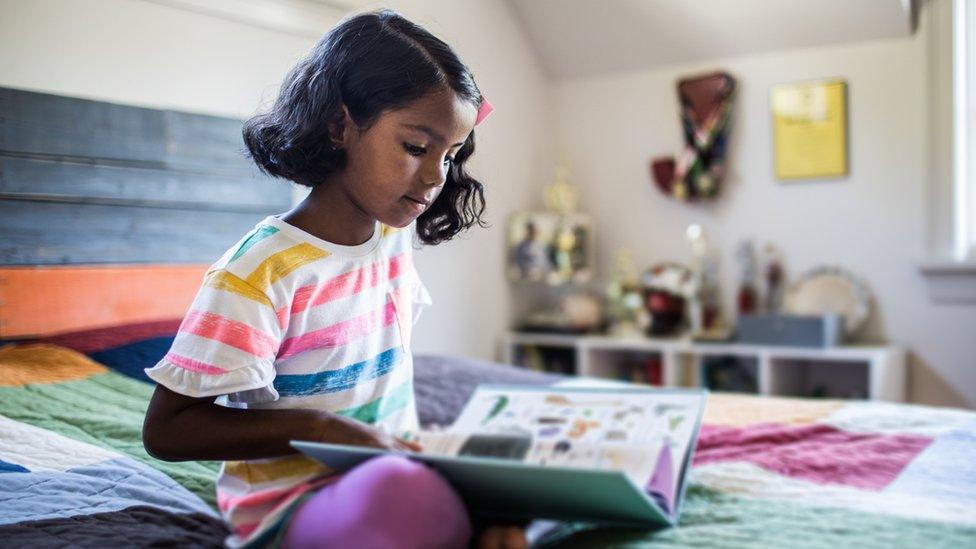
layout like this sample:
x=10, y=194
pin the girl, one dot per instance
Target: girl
x=302, y=329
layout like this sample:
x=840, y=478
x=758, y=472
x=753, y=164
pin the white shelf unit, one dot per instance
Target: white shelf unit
x=877, y=372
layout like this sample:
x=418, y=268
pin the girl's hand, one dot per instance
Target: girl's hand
x=503, y=537
x=342, y=430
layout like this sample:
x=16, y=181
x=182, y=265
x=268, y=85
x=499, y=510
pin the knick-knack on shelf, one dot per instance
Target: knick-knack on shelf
x=774, y=275
x=747, y=299
x=705, y=310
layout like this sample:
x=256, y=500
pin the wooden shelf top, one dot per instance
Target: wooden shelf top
x=684, y=345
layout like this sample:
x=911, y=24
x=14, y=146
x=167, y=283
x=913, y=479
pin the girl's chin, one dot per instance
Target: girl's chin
x=398, y=221
x=406, y=212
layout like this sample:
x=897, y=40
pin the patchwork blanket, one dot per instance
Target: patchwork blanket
x=72, y=468
x=767, y=472
x=772, y=472
x=776, y=472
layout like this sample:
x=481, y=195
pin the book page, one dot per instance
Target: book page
x=591, y=428
x=637, y=462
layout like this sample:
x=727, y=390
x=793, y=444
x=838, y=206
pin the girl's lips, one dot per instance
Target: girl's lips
x=418, y=200
x=415, y=204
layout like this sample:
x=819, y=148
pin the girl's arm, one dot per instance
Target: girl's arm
x=180, y=428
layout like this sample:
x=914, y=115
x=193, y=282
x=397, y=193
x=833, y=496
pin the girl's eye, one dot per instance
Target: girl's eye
x=417, y=150
x=414, y=150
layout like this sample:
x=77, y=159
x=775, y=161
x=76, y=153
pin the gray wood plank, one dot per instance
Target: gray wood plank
x=47, y=125
x=202, y=140
x=40, y=233
x=86, y=181
x=32, y=178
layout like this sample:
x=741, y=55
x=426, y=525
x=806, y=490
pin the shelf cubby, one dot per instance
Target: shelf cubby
x=875, y=372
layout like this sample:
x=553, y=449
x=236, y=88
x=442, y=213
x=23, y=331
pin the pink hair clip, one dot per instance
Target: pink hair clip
x=484, y=111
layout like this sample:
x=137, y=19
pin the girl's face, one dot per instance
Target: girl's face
x=397, y=167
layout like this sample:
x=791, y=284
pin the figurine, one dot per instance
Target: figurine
x=561, y=255
x=773, y=271
x=670, y=289
x=529, y=255
x=625, y=308
x=746, y=300
x=706, y=303
x=561, y=196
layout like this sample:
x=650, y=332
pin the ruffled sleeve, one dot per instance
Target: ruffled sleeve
x=226, y=344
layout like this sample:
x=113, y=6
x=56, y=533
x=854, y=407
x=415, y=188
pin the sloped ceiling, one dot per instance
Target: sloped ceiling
x=576, y=38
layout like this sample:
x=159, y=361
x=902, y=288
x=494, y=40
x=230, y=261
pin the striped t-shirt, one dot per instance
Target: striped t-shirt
x=287, y=320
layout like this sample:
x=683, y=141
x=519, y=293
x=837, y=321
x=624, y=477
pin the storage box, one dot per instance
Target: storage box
x=791, y=330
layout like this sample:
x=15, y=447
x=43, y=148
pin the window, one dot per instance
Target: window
x=964, y=128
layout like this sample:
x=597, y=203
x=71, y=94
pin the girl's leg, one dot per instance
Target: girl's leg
x=387, y=502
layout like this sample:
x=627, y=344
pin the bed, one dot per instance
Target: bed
x=75, y=336
x=767, y=471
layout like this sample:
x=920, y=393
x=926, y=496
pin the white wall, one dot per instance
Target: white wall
x=874, y=222
x=146, y=54
x=139, y=53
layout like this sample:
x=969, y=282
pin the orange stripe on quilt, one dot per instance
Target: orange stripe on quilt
x=229, y=332
x=194, y=365
x=743, y=410
x=341, y=333
x=348, y=284
x=42, y=363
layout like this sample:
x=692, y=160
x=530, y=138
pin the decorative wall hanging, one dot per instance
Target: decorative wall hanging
x=810, y=129
x=706, y=107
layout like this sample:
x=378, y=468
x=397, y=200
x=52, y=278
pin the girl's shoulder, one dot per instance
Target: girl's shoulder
x=259, y=247
x=271, y=254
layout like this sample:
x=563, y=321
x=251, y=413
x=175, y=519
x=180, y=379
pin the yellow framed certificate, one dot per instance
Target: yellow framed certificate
x=809, y=129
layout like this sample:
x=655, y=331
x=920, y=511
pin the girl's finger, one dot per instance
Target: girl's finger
x=490, y=538
x=412, y=446
x=514, y=538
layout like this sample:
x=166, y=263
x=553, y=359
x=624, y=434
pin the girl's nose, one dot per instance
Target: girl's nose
x=435, y=174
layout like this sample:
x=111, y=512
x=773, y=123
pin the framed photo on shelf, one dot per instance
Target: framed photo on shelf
x=810, y=129
x=549, y=247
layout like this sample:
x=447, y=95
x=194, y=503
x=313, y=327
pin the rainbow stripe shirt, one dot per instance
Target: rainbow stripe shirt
x=287, y=320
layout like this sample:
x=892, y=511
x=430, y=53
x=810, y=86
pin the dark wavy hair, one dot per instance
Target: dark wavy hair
x=371, y=63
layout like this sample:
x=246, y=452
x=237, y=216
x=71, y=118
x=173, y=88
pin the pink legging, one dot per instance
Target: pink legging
x=387, y=502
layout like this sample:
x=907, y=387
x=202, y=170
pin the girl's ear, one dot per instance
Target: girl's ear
x=339, y=127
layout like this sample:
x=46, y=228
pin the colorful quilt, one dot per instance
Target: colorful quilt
x=767, y=472
x=776, y=472
x=73, y=471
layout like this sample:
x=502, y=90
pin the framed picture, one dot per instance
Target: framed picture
x=809, y=129
x=549, y=247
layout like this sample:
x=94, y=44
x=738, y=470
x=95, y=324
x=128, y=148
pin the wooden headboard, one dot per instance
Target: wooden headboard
x=111, y=213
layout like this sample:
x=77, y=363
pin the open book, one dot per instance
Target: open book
x=614, y=455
